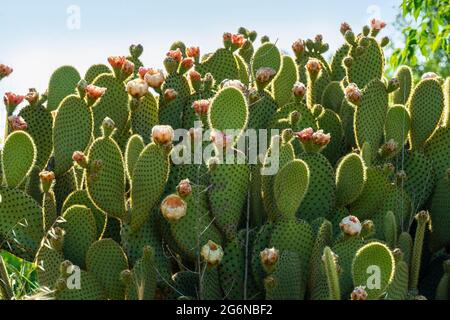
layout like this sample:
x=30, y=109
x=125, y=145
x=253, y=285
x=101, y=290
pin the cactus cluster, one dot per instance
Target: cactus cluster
x=358, y=208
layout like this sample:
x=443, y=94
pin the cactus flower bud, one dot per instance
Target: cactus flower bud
x=154, y=78
x=176, y=55
x=313, y=66
x=32, y=96
x=5, y=71
x=227, y=39
x=298, y=47
x=47, y=178
x=265, y=75
x=429, y=75
x=299, y=90
x=377, y=24
x=80, y=158
x=422, y=217
x=212, y=253
x=269, y=257
x=350, y=226
x=184, y=188
x=193, y=52
x=137, y=88
x=318, y=38
x=12, y=100
x=170, y=95
x=305, y=135
x=201, y=107
x=384, y=42
x=359, y=293
x=173, y=208
x=194, y=75
x=345, y=27
x=94, y=92
x=17, y=123
x=162, y=134
x=187, y=63
x=117, y=62
x=353, y=94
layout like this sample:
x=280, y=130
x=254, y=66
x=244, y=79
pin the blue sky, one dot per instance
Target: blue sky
x=36, y=38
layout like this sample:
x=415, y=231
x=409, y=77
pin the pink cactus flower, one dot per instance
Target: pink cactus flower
x=345, y=27
x=194, y=75
x=320, y=138
x=12, y=100
x=17, y=123
x=201, y=106
x=117, y=62
x=377, y=24
x=5, y=71
x=94, y=92
x=305, y=135
x=265, y=74
x=193, y=52
x=227, y=36
x=353, y=93
x=238, y=40
x=175, y=55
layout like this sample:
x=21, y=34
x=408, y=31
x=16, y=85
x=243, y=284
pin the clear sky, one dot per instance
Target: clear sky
x=39, y=36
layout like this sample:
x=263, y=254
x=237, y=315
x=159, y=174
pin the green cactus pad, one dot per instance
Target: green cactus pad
x=290, y=186
x=39, y=126
x=390, y=229
x=373, y=267
x=317, y=88
x=81, y=197
x=49, y=209
x=196, y=227
x=405, y=244
x=260, y=242
x=171, y=113
x=243, y=70
x=81, y=232
x=330, y=122
x=228, y=110
x=210, y=284
x=145, y=117
x=440, y=215
x=398, y=289
x=398, y=201
x=286, y=281
x=437, y=151
x=284, y=81
x=426, y=107
x=221, y=64
x=18, y=158
x=64, y=185
x=106, y=188
x=90, y=289
x=368, y=65
x=397, y=125
x=48, y=261
x=320, y=198
x=266, y=56
x=262, y=111
x=330, y=267
x=63, y=82
x=347, y=114
x=134, y=148
x=142, y=282
x=372, y=196
x=72, y=131
x=94, y=71
x=105, y=260
x=227, y=196
x=337, y=66
x=21, y=221
x=350, y=179
x=405, y=78
x=370, y=115
x=113, y=104
x=150, y=175
x=332, y=96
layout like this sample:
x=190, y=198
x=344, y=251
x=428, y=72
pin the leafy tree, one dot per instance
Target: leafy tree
x=425, y=26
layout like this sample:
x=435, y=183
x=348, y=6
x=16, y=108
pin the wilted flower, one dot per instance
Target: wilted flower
x=184, y=188
x=78, y=157
x=5, y=71
x=162, y=134
x=170, y=94
x=154, y=78
x=137, y=88
x=32, y=96
x=377, y=24
x=173, y=208
x=305, y=135
x=17, y=123
x=298, y=46
x=193, y=52
x=318, y=38
x=177, y=55
x=299, y=89
x=269, y=257
x=94, y=92
x=265, y=74
x=359, y=293
x=353, y=94
x=201, y=106
x=350, y=226
x=321, y=138
x=212, y=253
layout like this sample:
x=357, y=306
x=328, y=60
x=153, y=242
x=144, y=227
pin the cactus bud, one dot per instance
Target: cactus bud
x=162, y=135
x=65, y=268
x=299, y=90
x=384, y=42
x=201, y=107
x=117, y=62
x=264, y=76
x=173, y=208
x=137, y=88
x=353, y=94
x=5, y=71
x=422, y=217
x=212, y=253
x=388, y=149
x=376, y=24
x=313, y=67
x=125, y=277
x=154, y=78
x=184, y=188
x=170, y=95
x=47, y=178
x=350, y=226
x=186, y=64
x=398, y=254
x=367, y=228
x=108, y=126
x=348, y=61
x=80, y=159
x=366, y=30
x=344, y=28
x=193, y=52
x=11, y=101
x=393, y=85
x=243, y=31
x=269, y=257
x=298, y=47
x=287, y=135
x=93, y=93
x=252, y=35
x=32, y=96
x=359, y=293
x=265, y=39
x=305, y=135
x=17, y=123
x=350, y=37
x=294, y=117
